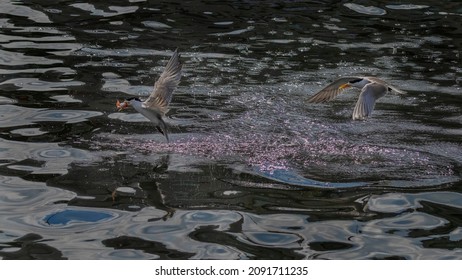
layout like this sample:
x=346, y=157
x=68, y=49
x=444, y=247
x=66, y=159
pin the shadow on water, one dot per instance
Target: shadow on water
x=252, y=170
x=29, y=248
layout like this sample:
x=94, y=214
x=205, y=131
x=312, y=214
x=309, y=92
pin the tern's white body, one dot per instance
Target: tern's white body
x=371, y=89
x=150, y=114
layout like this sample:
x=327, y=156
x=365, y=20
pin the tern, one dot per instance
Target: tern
x=371, y=89
x=155, y=106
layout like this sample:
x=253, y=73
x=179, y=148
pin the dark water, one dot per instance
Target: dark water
x=252, y=170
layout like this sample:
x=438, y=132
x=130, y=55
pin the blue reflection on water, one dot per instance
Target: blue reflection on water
x=70, y=216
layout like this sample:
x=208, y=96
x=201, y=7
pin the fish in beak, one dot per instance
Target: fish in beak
x=121, y=105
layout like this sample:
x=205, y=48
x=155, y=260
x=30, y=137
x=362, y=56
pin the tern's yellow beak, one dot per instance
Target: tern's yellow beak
x=121, y=105
x=344, y=86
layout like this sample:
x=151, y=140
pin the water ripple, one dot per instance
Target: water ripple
x=156, y=25
x=13, y=115
x=18, y=193
x=251, y=172
x=274, y=239
x=24, y=11
x=28, y=84
x=115, y=10
x=11, y=59
x=367, y=10
x=28, y=132
x=55, y=158
x=407, y=7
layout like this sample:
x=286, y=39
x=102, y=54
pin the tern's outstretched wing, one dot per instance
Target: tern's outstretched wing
x=331, y=91
x=165, y=85
x=366, y=101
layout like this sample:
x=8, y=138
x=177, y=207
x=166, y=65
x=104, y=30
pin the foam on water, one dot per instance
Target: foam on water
x=322, y=159
x=251, y=171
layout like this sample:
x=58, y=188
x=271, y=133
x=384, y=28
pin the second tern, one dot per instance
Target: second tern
x=371, y=89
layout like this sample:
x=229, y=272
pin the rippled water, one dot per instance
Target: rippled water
x=252, y=171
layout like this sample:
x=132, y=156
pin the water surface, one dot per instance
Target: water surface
x=252, y=171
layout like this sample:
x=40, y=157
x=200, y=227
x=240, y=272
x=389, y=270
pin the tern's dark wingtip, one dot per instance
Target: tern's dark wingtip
x=166, y=136
x=162, y=129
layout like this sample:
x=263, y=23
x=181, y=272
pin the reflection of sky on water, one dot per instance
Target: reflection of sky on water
x=24, y=11
x=367, y=10
x=28, y=131
x=15, y=59
x=28, y=84
x=251, y=171
x=13, y=115
x=51, y=158
x=195, y=231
